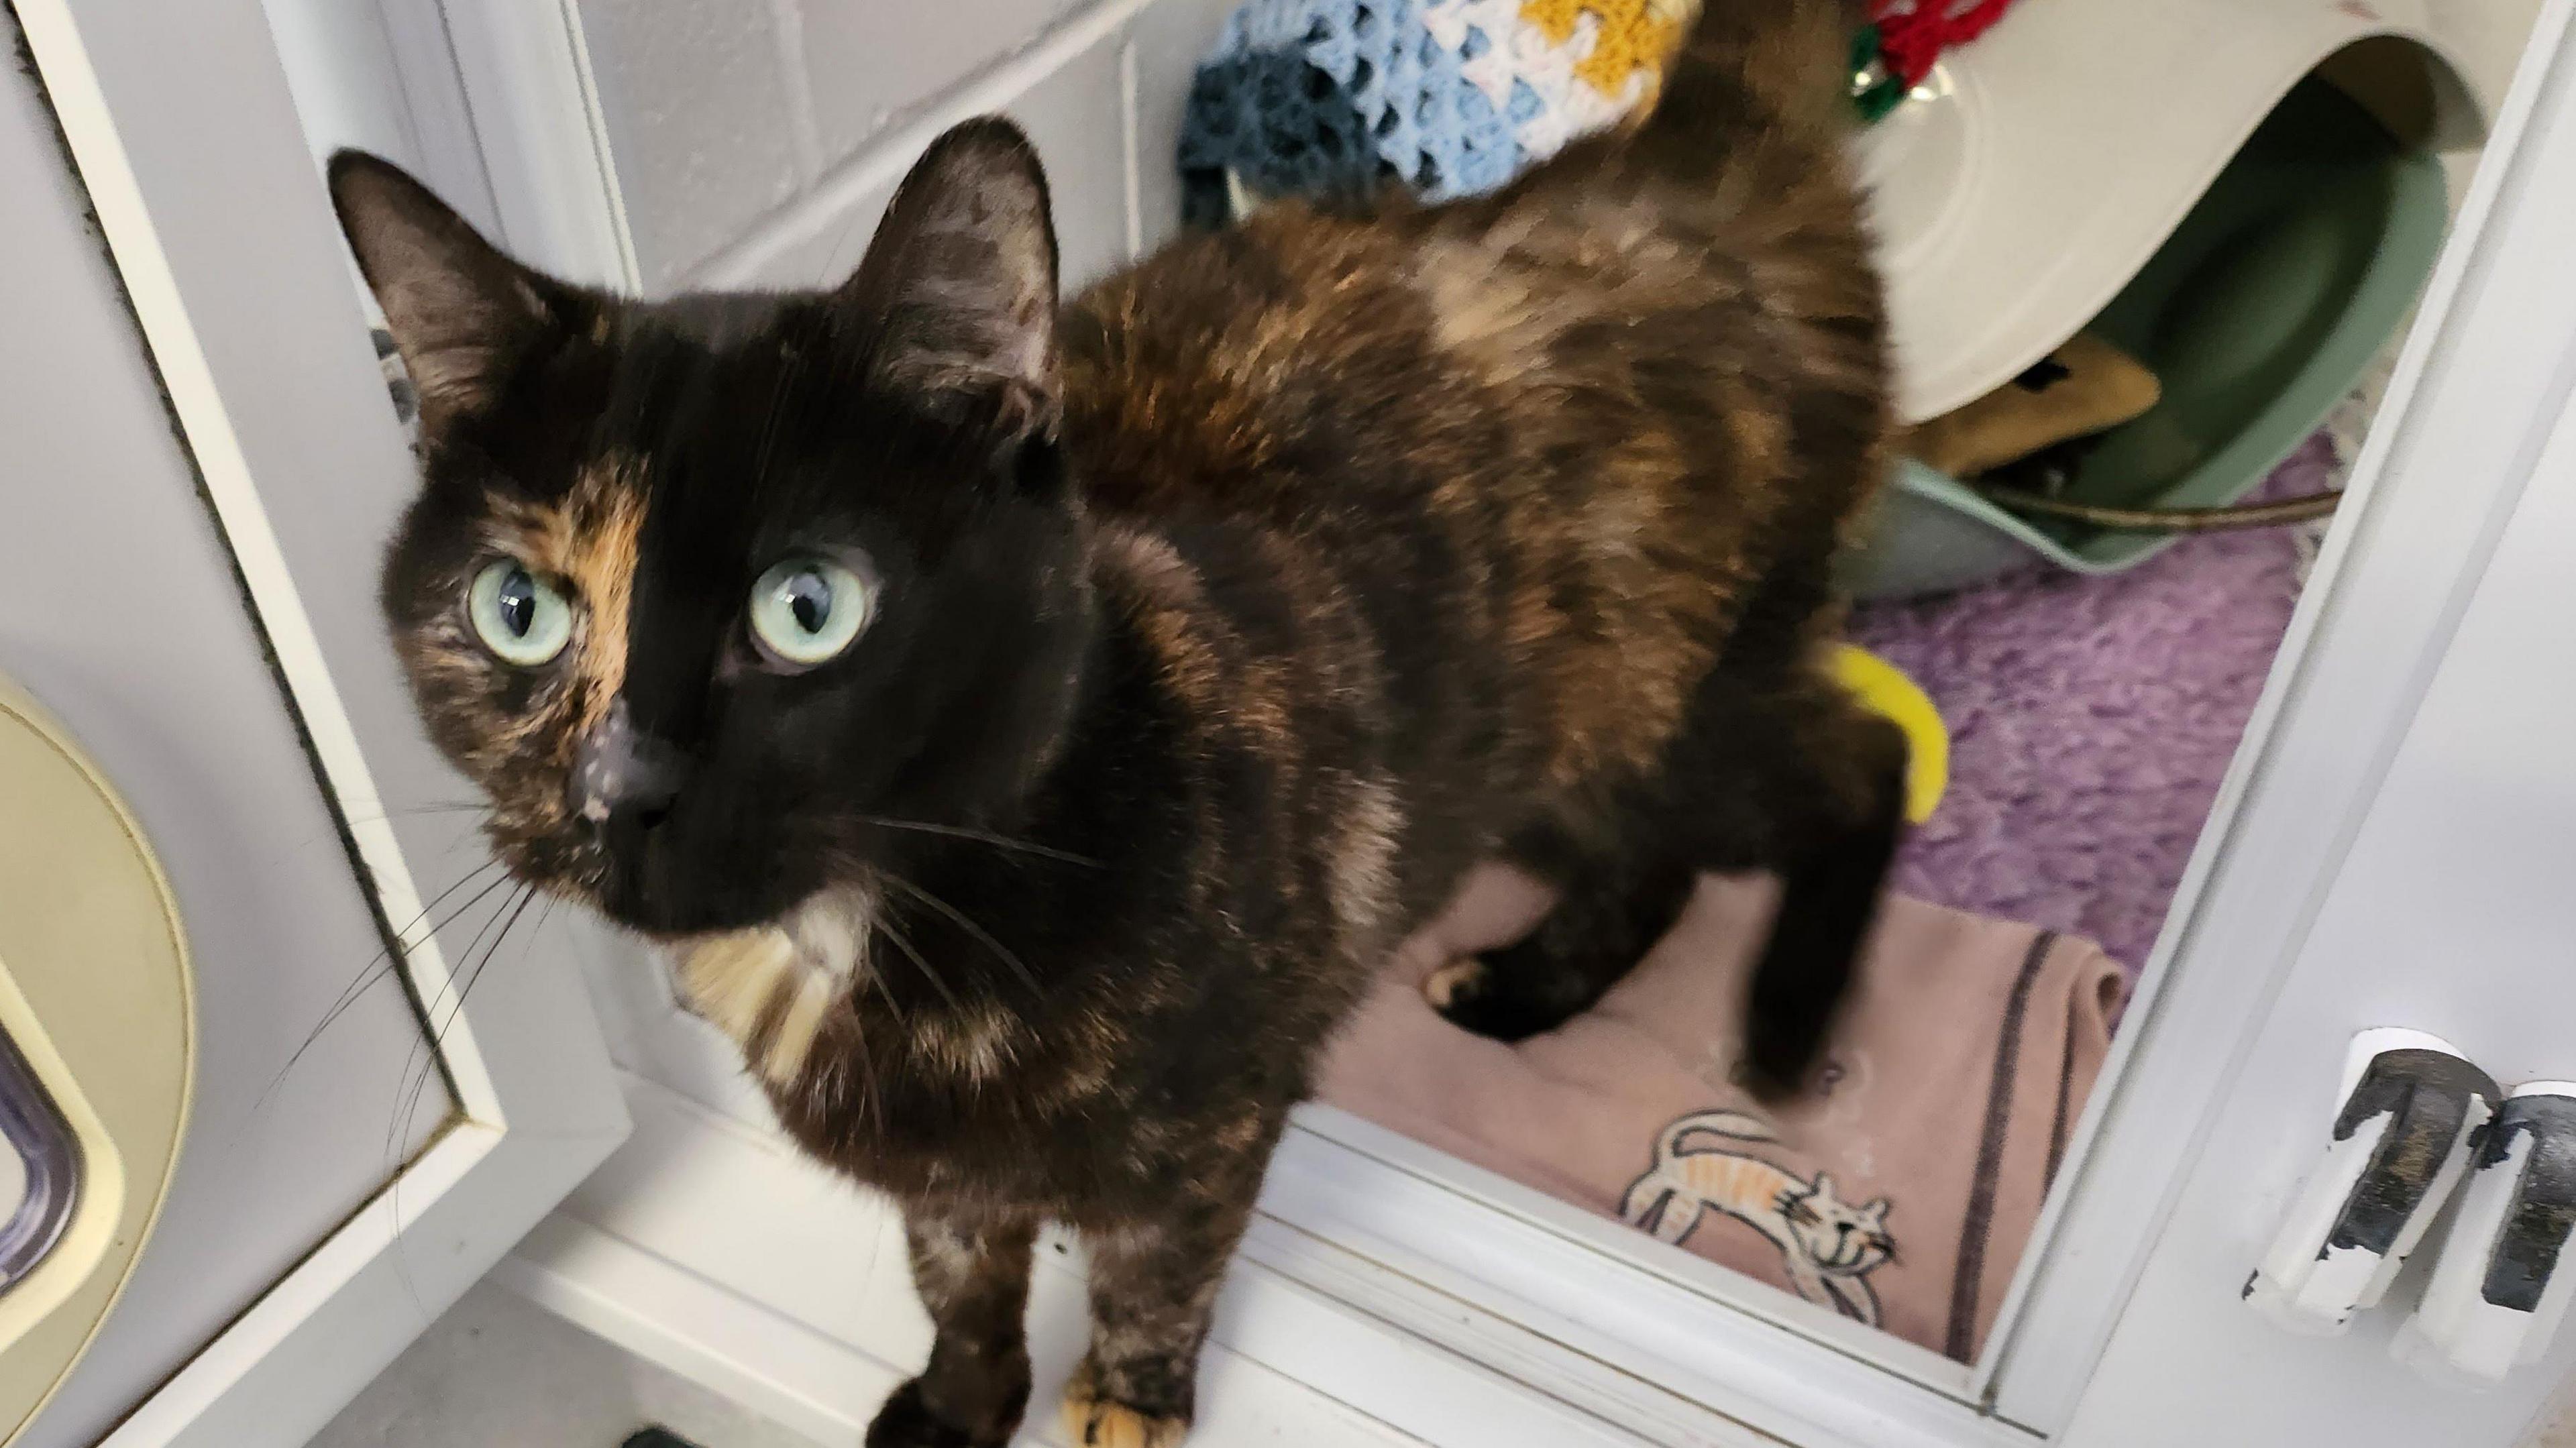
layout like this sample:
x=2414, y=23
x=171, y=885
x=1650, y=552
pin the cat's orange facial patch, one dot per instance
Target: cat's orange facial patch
x=590, y=539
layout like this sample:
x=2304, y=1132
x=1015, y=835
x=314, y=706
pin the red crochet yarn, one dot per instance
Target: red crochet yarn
x=1913, y=33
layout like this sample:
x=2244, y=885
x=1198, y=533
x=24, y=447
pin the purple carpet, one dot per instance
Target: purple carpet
x=2090, y=720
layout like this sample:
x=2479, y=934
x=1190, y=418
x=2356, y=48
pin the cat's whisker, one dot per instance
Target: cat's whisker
x=965, y=832
x=407, y=1095
x=871, y=1099
x=507, y=916
x=410, y=1090
x=958, y=918
x=423, y=1053
x=918, y=963
x=876, y=978
x=408, y=811
x=333, y=834
x=527, y=895
x=381, y=965
x=410, y=941
x=872, y=1095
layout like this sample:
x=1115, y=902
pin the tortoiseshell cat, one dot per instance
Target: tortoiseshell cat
x=1035, y=724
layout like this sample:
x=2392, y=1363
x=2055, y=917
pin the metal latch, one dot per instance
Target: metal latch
x=2500, y=1286
x=2412, y=1110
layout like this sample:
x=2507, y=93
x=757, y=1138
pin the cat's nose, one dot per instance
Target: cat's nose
x=623, y=775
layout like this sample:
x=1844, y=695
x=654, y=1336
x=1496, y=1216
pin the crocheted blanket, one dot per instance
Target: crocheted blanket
x=1448, y=97
x=1454, y=97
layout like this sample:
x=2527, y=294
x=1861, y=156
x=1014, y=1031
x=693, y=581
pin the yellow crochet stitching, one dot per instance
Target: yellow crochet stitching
x=1635, y=35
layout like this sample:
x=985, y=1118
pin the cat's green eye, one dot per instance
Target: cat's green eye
x=805, y=611
x=520, y=616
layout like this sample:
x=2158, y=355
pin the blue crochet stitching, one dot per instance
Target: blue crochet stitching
x=1335, y=96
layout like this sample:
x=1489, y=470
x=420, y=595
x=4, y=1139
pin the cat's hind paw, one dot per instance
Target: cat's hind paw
x=1479, y=996
x=1095, y=1422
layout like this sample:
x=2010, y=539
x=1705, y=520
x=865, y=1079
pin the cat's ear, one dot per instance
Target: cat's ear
x=461, y=313
x=1823, y=1190
x=959, y=286
x=1876, y=1212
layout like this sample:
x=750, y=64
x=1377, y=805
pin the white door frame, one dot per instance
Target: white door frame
x=2480, y=385
x=2451, y=914
x=180, y=124
x=2447, y=907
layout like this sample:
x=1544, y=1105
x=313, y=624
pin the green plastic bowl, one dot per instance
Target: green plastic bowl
x=2260, y=313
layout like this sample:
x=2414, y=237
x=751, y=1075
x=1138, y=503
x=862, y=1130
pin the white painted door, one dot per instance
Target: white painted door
x=2453, y=912
x=201, y=456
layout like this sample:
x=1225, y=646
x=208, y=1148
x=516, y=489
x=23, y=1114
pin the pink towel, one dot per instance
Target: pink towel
x=1899, y=1190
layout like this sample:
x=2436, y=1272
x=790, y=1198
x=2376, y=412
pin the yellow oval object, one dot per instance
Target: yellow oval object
x=1885, y=689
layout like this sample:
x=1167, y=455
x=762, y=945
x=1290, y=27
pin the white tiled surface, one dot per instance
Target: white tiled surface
x=733, y=120
x=864, y=61
x=700, y=121
x=498, y=1372
x=1074, y=115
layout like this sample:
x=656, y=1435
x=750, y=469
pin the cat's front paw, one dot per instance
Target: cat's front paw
x=1474, y=996
x=906, y=1421
x=1451, y=982
x=1092, y=1419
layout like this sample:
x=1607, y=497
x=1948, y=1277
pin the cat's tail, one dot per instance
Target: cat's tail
x=1731, y=1125
x=1756, y=85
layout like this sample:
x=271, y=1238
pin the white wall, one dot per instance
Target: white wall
x=754, y=141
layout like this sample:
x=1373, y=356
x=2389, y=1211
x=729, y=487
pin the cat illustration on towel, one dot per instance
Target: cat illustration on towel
x=1828, y=1245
